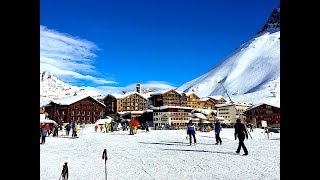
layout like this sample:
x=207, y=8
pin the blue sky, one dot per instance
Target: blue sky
x=110, y=45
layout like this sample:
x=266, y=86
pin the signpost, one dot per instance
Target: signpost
x=264, y=125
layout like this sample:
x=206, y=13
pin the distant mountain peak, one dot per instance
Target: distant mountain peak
x=273, y=23
x=52, y=88
x=250, y=74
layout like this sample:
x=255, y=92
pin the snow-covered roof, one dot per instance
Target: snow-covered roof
x=160, y=92
x=204, y=99
x=229, y=104
x=216, y=97
x=259, y=104
x=72, y=99
x=204, y=111
x=147, y=110
x=136, y=112
x=200, y=115
x=166, y=107
x=121, y=96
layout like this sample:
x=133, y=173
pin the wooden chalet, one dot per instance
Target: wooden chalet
x=168, y=98
x=217, y=99
x=116, y=103
x=206, y=103
x=263, y=112
x=193, y=100
x=79, y=108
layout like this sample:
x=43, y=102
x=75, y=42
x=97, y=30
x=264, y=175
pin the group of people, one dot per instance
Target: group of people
x=240, y=133
x=46, y=130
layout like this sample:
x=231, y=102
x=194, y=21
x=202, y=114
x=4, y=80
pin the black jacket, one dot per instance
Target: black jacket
x=240, y=131
x=65, y=172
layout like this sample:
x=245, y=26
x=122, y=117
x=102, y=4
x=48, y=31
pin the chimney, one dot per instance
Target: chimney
x=138, y=87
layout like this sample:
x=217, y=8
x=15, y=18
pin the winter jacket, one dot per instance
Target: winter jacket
x=191, y=129
x=44, y=131
x=240, y=131
x=217, y=128
x=76, y=128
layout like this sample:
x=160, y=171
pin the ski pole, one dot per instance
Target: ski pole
x=104, y=156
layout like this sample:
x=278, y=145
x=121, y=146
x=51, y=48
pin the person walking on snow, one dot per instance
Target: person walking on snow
x=191, y=131
x=65, y=173
x=241, y=133
x=217, y=129
x=43, y=134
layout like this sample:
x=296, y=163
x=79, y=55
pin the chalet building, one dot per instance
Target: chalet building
x=217, y=99
x=116, y=103
x=206, y=103
x=263, y=112
x=146, y=117
x=168, y=98
x=210, y=114
x=171, y=115
x=193, y=100
x=228, y=112
x=79, y=108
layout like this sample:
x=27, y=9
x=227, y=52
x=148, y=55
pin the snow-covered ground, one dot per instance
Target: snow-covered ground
x=160, y=154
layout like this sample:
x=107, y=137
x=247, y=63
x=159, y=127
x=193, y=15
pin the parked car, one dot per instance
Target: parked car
x=274, y=130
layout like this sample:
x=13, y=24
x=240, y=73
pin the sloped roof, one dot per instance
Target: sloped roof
x=160, y=92
x=166, y=107
x=204, y=99
x=216, y=97
x=72, y=99
x=259, y=104
x=121, y=96
x=204, y=111
x=200, y=115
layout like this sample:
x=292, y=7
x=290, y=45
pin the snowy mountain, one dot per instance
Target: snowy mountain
x=250, y=74
x=52, y=88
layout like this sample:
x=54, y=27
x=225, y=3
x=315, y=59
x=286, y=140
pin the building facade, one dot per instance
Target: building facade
x=193, y=100
x=229, y=113
x=81, y=109
x=263, y=112
x=171, y=115
x=116, y=103
x=168, y=98
x=206, y=103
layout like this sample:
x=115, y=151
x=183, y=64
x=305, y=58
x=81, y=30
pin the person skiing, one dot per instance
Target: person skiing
x=217, y=129
x=65, y=173
x=191, y=130
x=240, y=131
x=95, y=128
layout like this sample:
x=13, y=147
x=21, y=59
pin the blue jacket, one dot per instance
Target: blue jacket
x=44, y=131
x=191, y=129
x=217, y=127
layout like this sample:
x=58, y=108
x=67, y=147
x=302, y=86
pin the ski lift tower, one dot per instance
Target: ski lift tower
x=237, y=112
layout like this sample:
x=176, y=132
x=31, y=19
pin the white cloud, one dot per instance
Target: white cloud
x=158, y=85
x=70, y=58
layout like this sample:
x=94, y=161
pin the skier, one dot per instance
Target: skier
x=147, y=127
x=217, y=129
x=95, y=128
x=241, y=133
x=65, y=173
x=191, y=131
